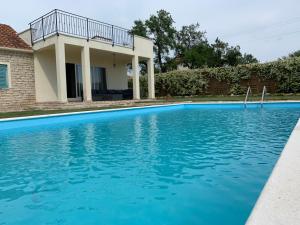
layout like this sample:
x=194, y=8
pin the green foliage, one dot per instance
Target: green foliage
x=170, y=63
x=232, y=56
x=163, y=34
x=139, y=28
x=291, y=55
x=189, y=37
x=198, y=56
x=188, y=46
x=181, y=83
x=248, y=58
x=160, y=28
x=295, y=54
x=286, y=74
x=194, y=51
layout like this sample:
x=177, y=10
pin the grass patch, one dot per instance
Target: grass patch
x=207, y=98
x=45, y=112
x=165, y=100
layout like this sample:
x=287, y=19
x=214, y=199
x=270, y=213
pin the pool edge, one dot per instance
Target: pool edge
x=138, y=107
x=279, y=201
x=84, y=112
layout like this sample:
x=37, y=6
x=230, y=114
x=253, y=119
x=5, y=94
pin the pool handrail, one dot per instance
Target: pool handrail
x=263, y=96
x=247, y=95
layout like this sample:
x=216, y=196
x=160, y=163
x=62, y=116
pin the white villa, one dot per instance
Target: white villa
x=73, y=58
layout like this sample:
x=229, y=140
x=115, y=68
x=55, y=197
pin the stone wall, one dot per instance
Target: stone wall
x=21, y=94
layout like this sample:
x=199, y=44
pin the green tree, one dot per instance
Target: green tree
x=233, y=56
x=295, y=54
x=162, y=32
x=188, y=37
x=248, y=58
x=199, y=56
x=219, y=52
x=192, y=48
x=139, y=28
x=190, y=45
x=170, y=63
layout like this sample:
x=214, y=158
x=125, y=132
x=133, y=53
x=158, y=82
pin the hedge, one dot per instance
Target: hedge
x=284, y=73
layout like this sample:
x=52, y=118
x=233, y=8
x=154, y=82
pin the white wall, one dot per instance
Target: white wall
x=26, y=36
x=45, y=75
x=116, y=77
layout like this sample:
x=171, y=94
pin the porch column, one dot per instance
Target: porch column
x=61, y=70
x=135, y=77
x=86, y=74
x=151, y=84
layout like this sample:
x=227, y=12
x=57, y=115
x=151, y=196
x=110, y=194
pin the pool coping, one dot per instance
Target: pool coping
x=279, y=201
x=84, y=112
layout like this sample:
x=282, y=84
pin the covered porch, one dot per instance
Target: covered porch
x=68, y=71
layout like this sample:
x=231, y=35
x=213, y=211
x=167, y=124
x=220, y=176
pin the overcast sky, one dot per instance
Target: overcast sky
x=266, y=28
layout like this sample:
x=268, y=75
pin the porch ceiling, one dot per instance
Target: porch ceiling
x=111, y=55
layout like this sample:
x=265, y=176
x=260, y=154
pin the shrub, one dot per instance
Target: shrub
x=282, y=75
x=285, y=74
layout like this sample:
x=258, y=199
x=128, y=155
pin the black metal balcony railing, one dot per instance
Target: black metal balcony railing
x=61, y=22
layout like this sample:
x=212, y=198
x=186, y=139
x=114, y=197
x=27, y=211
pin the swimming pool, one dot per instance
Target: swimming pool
x=180, y=164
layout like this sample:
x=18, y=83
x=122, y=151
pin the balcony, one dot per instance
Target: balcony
x=59, y=22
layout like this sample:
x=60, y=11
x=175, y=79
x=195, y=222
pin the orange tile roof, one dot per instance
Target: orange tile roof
x=10, y=39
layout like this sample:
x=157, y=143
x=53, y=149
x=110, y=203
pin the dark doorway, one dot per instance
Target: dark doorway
x=74, y=81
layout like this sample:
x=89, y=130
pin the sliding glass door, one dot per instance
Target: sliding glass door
x=74, y=81
x=98, y=80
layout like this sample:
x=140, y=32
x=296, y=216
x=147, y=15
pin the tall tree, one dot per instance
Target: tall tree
x=139, y=28
x=198, y=56
x=190, y=45
x=188, y=37
x=162, y=32
x=219, y=51
x=233, y=56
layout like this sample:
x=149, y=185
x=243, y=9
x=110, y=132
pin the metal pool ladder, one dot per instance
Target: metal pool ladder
x=247, y=95
x=263, y=96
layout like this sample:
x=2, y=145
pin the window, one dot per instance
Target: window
x=4, y=73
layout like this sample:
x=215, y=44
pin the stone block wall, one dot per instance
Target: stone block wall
x=21, y=94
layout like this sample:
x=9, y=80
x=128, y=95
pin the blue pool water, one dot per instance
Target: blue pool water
x=179, y=165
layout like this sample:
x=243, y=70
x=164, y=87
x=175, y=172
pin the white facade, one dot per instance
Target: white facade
x=51, y=54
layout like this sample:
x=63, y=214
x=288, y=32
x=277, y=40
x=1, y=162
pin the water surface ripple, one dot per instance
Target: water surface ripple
x=171, y=167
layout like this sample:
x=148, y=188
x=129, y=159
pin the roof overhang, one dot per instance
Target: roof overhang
x=16, y=49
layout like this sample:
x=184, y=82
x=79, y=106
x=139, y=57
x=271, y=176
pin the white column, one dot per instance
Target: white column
x=86, y=73
x=151, y=84
x=61, y=70
x=135, y=77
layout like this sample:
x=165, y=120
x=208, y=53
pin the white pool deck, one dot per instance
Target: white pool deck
x=279, y=202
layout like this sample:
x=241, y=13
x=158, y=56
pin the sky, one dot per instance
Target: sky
x=268, y=29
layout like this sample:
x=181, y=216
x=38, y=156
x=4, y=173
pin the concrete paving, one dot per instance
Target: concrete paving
x=279, y=202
